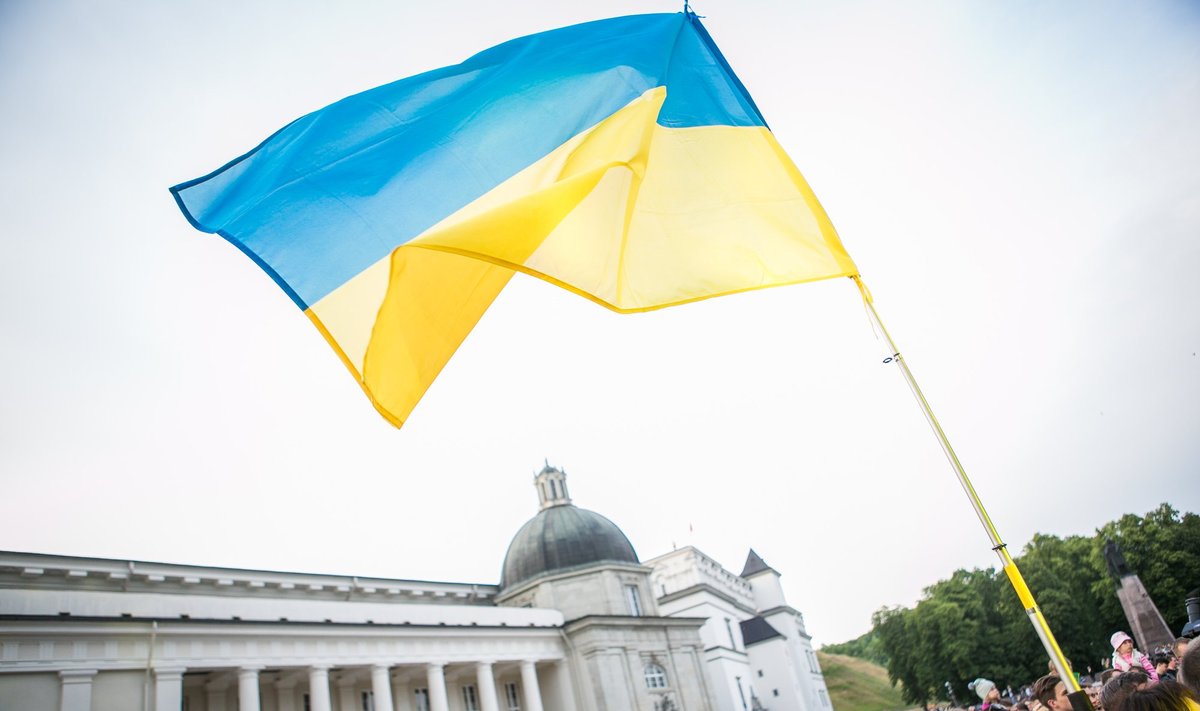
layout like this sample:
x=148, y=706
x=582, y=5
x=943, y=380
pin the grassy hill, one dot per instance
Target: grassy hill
x=858, y=685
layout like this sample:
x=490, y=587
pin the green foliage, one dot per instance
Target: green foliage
x=972, y=624
x=1161, y=547
x=866, y=646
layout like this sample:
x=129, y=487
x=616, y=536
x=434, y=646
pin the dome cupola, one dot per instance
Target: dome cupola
x=562, y=536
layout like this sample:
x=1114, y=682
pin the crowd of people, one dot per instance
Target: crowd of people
x=1168, y=679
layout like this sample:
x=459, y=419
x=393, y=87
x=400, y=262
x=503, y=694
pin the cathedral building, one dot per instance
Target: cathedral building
x=577, y=622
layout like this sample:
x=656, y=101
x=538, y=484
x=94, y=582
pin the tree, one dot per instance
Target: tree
x=972, y=625
x=1163, y=548
x=1062, y=573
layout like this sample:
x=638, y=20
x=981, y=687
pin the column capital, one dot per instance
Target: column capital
x=168, y=672
x=76, y=689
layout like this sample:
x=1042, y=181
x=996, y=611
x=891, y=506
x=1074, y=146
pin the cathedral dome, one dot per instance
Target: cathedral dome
x=562, y=537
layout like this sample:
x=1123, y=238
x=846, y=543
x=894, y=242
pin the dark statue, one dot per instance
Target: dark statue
x=1117, y=567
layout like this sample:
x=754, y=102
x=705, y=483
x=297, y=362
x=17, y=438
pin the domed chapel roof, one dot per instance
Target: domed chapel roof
x=562, y=537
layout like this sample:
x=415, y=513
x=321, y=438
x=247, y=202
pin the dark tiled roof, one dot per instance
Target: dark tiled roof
x=756, y=629
x=561, y=538
x=754, y=564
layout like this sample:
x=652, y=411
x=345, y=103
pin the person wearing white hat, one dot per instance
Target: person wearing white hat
x=988, y=693
x=1125, y=657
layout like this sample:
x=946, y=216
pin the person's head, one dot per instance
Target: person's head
x=1180, y=646
x=1052, y=693
x=1114, y=693
x=1189, y=667
x=1162, y=661
x=1122, y=643
x=985, y=689
x=1163, y=696
x=1107, y=675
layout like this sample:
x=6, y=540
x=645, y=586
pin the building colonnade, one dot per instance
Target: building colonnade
x=392, y=688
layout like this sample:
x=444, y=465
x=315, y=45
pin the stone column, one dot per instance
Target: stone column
x=529, y=685
x=487, y=687
x=381, y=686
x=318, y=688
x=435, y=677
x=248, y=689
x=77, y=689
x=168, y=688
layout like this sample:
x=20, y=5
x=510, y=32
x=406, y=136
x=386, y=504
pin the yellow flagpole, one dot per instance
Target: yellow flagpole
x=1006, y=561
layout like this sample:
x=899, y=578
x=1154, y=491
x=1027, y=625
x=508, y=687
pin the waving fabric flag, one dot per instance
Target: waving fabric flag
x=620, y=159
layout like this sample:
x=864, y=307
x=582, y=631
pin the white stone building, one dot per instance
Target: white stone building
x=757, y=651
x=576, y=623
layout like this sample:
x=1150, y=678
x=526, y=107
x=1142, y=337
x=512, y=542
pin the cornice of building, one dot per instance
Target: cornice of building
x=29, y=624
x=722, y=652
x=625, y=622
x=117, y=606
x=43, y=571
x=556, y=575
x=788, y=610
x=710, y=589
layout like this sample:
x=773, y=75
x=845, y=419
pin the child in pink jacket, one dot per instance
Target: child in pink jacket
x=1125, y=657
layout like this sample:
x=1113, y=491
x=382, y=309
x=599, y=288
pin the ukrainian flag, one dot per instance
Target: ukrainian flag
x=620, y=159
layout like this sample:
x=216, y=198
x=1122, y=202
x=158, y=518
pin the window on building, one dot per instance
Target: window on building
x=760, y=673
x=774, y=692
x=422, y=699
x=634, y=599
x=511, y=696
x=656, y=676
x=553, y=490
x=307, y=703
x=368, y=701
x=811, y=656
x=741, y=693
x=824, y=698
x=729, y=629
x=470, y=699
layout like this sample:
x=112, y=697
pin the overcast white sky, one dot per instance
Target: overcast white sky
x=1018, y=182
